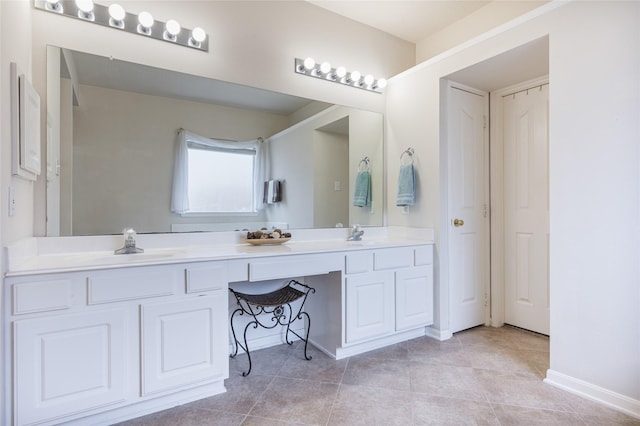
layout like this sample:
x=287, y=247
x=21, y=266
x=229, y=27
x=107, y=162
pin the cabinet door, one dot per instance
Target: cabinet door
x=369, y=305
x=184, y=342
x=68, y=364
x=414, y=297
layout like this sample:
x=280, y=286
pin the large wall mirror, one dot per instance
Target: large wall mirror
x=111, y=137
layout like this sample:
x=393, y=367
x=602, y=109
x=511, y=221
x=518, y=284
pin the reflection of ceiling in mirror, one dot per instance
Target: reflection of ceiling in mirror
x=109, y=73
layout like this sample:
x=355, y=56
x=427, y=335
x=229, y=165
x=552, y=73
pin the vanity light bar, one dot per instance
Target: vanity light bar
x=115, y=16
x=325, y=71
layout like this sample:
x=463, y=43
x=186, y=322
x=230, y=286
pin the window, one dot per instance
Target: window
x=216, y=176
x=220, y=180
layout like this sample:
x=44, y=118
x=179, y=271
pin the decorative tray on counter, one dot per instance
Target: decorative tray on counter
x=266, y=241
x=264, y=237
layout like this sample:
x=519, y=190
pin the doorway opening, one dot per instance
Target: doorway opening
x=518, y=260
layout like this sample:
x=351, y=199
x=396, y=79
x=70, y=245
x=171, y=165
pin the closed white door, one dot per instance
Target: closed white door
x=468, y=206
x=526, y=209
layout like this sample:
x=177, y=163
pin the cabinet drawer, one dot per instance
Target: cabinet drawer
x=116, y=287
x=295, y=266
x=423, y=255
x=41, y=296
x=205, y=278
x=401, y=257
x=356, y=263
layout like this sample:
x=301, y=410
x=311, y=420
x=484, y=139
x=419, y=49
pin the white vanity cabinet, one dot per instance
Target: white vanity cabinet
x=370, y=300
x=182, y=342
x=387, y=291
x=97, y=346
x=69, y=364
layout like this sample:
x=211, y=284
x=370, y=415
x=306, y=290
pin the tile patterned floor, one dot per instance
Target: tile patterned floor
x=482, y=376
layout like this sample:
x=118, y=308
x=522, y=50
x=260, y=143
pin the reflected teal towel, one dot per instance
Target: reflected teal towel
x=406, y=186
x=362, y=191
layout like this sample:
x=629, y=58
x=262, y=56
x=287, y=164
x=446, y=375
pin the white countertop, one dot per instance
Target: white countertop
x=69, y=254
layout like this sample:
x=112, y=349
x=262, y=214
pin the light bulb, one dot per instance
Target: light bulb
x=116, y=12
x=355, y=76
x=146, y=20
x=368, y=80
x=173, y=27
x=341, y=72
x=325, y=67
x=309, y=63
x=85, y=6
x=198, y=35
x=53, y=5
x=382, y=83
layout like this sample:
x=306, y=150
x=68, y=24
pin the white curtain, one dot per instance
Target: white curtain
x=186, y=139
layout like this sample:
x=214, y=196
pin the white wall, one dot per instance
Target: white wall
x=15, y=42
x=16, y=47
x=491, y=15
x=594, y=184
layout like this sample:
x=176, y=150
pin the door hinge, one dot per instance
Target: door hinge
x=484, y=210
x=485, y=121
x=486, y=300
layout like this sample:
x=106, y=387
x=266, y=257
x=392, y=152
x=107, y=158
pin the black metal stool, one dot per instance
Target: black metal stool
x=272, y=303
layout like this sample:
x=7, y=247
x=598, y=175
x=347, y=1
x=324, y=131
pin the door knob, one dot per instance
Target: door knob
x=458, y=222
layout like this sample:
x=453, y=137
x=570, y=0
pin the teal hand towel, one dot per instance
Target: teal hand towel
x=406, y=186
x=362, y=191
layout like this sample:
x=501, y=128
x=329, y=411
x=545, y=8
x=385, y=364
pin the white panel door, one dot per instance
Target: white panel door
x=184, y=341
x=468, y=207
x=526, y=205
x=369, y=305
x=69, y=364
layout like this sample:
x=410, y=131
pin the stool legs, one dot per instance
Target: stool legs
x=244, y=347
x=271, y=304
x=304, y=339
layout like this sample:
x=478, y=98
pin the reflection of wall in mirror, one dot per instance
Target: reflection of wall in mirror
x=123, y=149
x=123, y=152
x=293, y=155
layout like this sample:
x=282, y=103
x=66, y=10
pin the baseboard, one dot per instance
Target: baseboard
x=438, y=334
x=595, y=393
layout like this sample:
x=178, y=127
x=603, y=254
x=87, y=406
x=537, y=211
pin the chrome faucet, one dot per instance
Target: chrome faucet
x=356, y=233
x=129, y=243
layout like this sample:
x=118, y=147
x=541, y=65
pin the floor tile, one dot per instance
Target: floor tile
x=446, y=380
x=522, y=389
x=303, y=401
x=382, y=373
x=242, y=394
x=519, y=416
x=439, y=411
x=187, y=416
x=362, y=405
x=320, y=367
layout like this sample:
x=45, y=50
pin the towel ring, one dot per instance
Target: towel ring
x=365, y=162
x=407, y=153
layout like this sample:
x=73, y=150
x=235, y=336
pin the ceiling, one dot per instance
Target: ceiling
x=410, y=20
